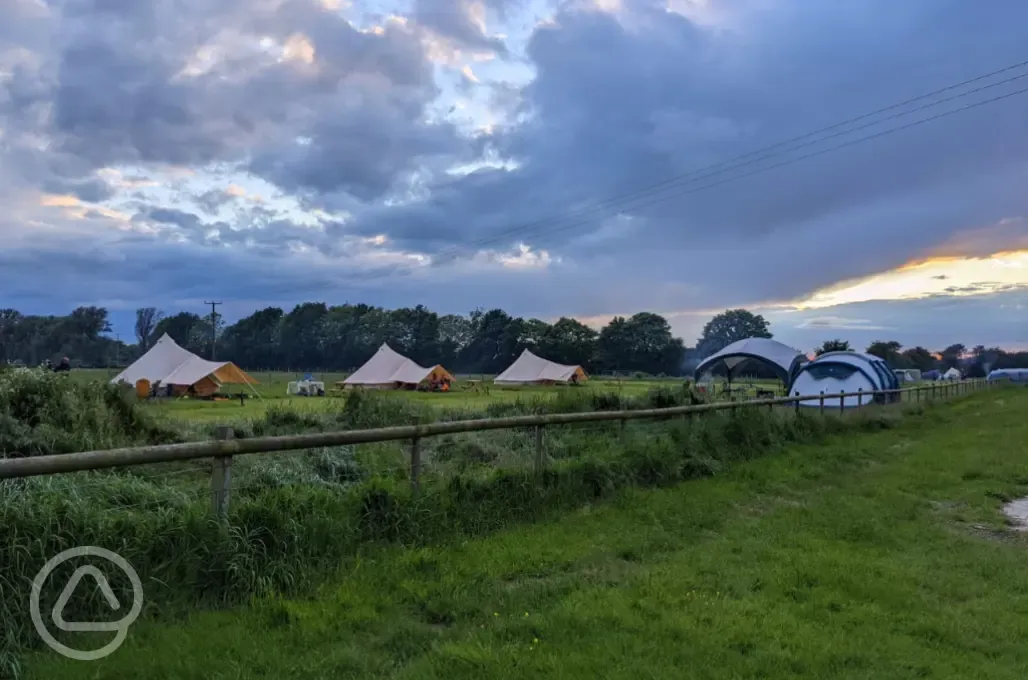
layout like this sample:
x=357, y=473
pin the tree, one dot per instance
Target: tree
x=832, y=346
x=643, y=342
x=415, y=332
x=731, y=326
x=613, y=346
x=569, y=341
x=301, y=335
x=654, y=348
x=253, y=341
x=146, y=322
x=180, y=329
x=952, y=356
x=887, y=350
x=9, y=320
x=351, y=334
x=497, y=340
x=919, y=358
x=455, y=334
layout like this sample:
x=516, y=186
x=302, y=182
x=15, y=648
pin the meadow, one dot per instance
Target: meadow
x=830, y=548
x=470, y=393
x=295, y=518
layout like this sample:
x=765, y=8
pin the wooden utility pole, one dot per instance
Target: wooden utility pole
x=214, y=325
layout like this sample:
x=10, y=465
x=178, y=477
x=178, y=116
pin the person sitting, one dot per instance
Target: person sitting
x=64, y=366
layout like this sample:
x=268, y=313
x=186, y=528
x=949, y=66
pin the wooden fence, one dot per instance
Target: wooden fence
x=225, y=446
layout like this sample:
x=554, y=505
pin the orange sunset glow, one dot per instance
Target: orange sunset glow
x=954, y=276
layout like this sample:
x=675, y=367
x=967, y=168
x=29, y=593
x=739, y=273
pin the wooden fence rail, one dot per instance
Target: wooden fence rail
x=225, y=446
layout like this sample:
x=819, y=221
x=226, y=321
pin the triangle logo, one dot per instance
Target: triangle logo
x=105, y=589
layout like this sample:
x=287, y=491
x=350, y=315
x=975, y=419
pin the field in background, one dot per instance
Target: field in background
x=469, y=393
x=877, y=555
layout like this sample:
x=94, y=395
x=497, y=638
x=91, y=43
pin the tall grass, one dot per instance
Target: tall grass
x=42, y=412
x=294, y=518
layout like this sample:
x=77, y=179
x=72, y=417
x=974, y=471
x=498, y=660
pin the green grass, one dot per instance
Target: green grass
x=882, y=555
x=272, y=390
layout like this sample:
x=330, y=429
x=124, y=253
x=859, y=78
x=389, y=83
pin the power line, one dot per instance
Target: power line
x=695, y=175
x=761, y=155
x=214, y=326
x=821, y=152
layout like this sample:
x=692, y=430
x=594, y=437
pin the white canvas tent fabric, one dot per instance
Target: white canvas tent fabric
x=529, y=368
x=386, y=368
x=782, y=358
x=953, y=374
x=844, y=372
x=168, y=363
x=1017, y=375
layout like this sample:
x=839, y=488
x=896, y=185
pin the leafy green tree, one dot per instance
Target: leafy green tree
x=569, y=341
x=952, y=356
x=301, y=334
x=414, y=332
x=495, y=342
x=455, y=335
x=180, y=328
x=643, y=342
x=888, y=350
x=731, y=326
x=919, y=358
x=253, y=341
x=832, y=346
x=613, y=346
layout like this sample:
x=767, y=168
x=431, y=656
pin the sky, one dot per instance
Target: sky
x=586, y=158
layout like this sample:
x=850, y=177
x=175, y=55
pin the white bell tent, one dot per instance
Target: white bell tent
x=167, y=363
x=952, y=374
x=530, y=369
x=845, y=372
x=390, y=369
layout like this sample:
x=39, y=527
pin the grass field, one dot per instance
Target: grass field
x=878, y=555
x=272, y=390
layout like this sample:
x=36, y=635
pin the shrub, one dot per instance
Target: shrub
x=45, y=413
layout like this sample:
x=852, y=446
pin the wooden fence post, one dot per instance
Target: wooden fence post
x=821, y=402
x=415, y=463
x=539, y=448
x=842, y=405
x=221, y=477
x=797, y=404
x=860, y=397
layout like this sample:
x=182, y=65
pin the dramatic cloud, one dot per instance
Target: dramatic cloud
x=589, y=159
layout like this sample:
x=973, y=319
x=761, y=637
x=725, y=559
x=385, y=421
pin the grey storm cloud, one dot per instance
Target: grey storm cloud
x=613, y=109
x=619, y=103
x=110, y=75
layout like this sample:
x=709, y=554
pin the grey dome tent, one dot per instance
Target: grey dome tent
x=782, y=359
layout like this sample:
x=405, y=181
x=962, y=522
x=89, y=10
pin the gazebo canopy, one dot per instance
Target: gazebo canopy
x=782, y=359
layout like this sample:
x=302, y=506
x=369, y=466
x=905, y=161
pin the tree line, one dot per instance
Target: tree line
x=320, y=337
x=974, y=363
